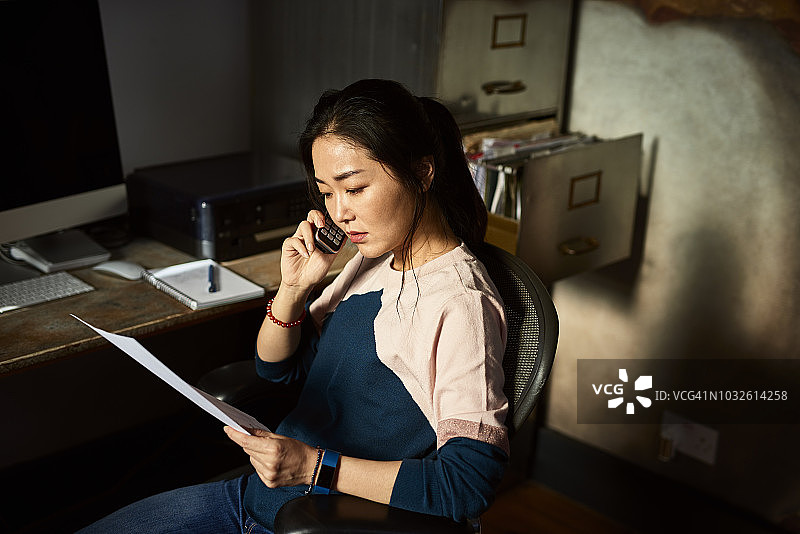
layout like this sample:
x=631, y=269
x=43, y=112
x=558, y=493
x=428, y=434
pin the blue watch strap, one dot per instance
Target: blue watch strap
x=327, y=471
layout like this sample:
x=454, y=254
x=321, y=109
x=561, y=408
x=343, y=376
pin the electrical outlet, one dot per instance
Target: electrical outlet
x=690, y=438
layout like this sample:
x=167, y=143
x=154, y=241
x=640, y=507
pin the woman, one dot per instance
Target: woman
x=401, y=355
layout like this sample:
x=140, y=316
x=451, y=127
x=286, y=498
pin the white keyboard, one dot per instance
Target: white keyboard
x=40, y=289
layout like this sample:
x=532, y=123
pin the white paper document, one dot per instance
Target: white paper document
x=219, y=409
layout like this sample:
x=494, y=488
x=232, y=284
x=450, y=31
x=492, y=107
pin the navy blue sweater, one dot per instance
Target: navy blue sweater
x=412, y=375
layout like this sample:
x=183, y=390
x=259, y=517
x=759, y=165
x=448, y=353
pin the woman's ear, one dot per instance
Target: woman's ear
x=425, y=172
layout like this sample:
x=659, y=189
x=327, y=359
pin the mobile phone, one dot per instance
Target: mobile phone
x=330, y=238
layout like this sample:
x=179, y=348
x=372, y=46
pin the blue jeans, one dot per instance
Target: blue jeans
x=216, y=507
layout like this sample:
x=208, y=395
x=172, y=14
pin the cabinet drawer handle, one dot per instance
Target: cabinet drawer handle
x=503, y=87
x=578, y=245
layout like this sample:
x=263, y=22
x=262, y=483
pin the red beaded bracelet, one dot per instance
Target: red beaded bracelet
x=281, y=323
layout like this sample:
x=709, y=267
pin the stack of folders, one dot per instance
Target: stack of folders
x=203, y=284
x=497, y=170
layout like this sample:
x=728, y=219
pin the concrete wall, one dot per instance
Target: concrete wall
x=717, y=273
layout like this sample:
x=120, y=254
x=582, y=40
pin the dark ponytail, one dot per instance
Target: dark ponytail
x=398, y=130
x=453, y=186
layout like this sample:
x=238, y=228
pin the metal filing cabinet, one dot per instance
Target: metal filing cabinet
x=503, y=60
x=504, y=65
x=578, y=207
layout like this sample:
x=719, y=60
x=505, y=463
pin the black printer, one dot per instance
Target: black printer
x=223, y=207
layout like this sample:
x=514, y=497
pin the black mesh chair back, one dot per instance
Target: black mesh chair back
x=532, y=325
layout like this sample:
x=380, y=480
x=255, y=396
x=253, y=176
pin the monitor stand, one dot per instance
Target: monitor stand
x=71, y=249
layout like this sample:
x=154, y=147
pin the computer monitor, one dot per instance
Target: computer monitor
x=60, y=164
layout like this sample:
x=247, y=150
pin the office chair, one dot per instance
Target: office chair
x=532, y=325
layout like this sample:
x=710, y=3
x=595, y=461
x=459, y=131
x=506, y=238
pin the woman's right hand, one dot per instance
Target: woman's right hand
x=303, y=266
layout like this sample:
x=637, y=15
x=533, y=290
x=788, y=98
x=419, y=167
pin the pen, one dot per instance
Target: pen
x=212, y=285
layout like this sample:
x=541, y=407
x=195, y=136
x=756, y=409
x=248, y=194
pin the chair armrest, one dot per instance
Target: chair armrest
x=239, y=385
x=345, y=514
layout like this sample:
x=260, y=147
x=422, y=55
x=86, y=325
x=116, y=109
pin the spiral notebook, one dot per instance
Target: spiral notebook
x=203, y=284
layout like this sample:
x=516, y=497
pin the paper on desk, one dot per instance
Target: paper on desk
x=219, y=409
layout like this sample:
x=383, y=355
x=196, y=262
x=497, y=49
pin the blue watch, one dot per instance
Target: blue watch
x=327, y=471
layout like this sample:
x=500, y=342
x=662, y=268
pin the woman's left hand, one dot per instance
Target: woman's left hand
x=278, y=460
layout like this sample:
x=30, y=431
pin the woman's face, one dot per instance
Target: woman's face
x=363, y=199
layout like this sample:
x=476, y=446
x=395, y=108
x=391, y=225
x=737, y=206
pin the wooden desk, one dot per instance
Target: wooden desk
x=46, y=332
